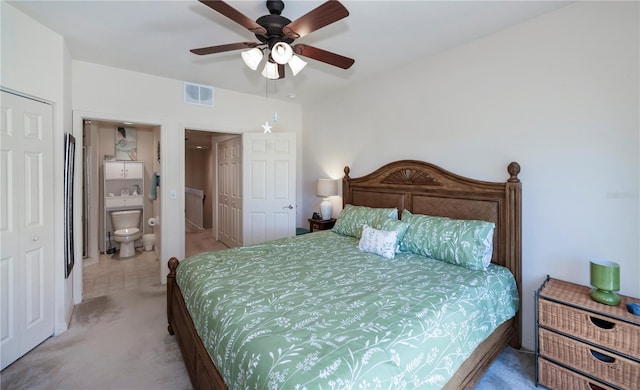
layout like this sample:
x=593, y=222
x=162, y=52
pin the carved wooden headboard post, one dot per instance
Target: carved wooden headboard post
x=424, y=188
x=345, y=186
x=513, y=193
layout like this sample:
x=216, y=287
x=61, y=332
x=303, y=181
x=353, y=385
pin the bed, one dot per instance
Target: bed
x=300, y=306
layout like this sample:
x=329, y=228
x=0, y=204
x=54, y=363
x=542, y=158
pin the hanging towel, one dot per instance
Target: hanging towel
x=155, y=182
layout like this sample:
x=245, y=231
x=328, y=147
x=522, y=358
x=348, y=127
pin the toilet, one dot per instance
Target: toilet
x=126, y=230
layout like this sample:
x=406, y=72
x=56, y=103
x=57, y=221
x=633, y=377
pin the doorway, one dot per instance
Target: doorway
x=266, y=180
x=102, y=272
x=201, y=190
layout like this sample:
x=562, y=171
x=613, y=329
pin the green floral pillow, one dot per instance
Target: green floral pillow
x=379, y=242
x=352, y=218
x=393, y=225
x=468, y=243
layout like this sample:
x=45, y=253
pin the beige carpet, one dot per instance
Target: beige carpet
x=120, y=341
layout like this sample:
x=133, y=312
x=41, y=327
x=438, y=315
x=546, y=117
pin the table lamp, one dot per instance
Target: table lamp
x=605, y=277
x=326, y=188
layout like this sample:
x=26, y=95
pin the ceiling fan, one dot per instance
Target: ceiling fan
x=276, y=33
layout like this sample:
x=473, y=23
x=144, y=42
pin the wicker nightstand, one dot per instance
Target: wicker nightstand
x=583, y=344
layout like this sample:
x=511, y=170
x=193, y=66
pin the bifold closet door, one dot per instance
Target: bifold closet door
x=26, y=225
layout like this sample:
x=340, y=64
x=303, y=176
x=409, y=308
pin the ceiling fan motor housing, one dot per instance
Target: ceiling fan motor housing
x=273, y=23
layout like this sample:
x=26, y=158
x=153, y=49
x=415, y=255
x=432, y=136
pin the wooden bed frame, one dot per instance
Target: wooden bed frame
x=421, y=188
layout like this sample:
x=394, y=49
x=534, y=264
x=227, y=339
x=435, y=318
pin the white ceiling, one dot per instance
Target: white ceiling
x=155, y=37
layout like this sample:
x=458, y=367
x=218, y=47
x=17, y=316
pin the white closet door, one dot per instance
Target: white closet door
x=26, y=226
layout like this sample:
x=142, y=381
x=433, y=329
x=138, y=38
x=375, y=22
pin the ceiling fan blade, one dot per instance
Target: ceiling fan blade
x=280, y=71
x=220, y=48
x=323, y=56
x=235, y=15
x=323, y=15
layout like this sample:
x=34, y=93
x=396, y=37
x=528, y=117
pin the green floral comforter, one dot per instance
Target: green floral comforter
x=313, y=312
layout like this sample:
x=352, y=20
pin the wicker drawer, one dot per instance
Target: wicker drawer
x=599, y=363
x=554, y=376
x=608, y=332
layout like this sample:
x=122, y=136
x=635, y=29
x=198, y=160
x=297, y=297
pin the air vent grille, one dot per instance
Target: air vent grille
x=198, y=94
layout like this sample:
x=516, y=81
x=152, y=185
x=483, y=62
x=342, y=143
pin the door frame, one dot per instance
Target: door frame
x=181, y=158
x=79, y=118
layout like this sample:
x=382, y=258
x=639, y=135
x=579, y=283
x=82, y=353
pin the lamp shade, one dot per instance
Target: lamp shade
x=605, y=277
x=281, y=53
x=252, y=58
x=296, y=64
x=327, y=187
x=270, y=71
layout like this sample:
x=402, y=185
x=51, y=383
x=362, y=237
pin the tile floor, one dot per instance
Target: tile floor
x=111, y=273
x=198, y=241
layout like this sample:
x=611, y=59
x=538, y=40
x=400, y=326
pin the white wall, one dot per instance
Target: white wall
x=36, y=62
x=558, y=94
x=109, y=93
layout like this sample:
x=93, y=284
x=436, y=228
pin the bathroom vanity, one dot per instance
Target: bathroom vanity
x=123, y=190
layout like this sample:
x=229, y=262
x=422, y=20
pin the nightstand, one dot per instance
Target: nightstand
x=318, y=224
x=583, y=344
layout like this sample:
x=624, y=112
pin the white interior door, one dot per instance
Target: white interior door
x=26, y=226
x=230, y=192
x=268, y=186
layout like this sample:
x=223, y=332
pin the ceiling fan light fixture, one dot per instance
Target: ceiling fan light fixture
x=270, y=71
x=281, y=53
x=276, y=34
x=252, y=58
x=296, y=64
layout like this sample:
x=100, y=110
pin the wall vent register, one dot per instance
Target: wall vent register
x=198, y=94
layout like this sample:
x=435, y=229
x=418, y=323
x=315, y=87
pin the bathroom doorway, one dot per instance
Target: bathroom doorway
x=101, y=272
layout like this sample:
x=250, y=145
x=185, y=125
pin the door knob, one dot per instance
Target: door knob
x=36, y=238
x=290, y=207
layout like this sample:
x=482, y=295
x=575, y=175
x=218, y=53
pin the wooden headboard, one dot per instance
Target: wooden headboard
x=424, y=188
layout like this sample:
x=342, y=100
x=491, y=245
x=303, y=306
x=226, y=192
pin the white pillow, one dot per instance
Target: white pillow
x=379, y=242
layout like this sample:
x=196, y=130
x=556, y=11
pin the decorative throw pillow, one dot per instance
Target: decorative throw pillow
x=468, y=243
x=379, y=242
x=393, y=225
x=352, y=218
